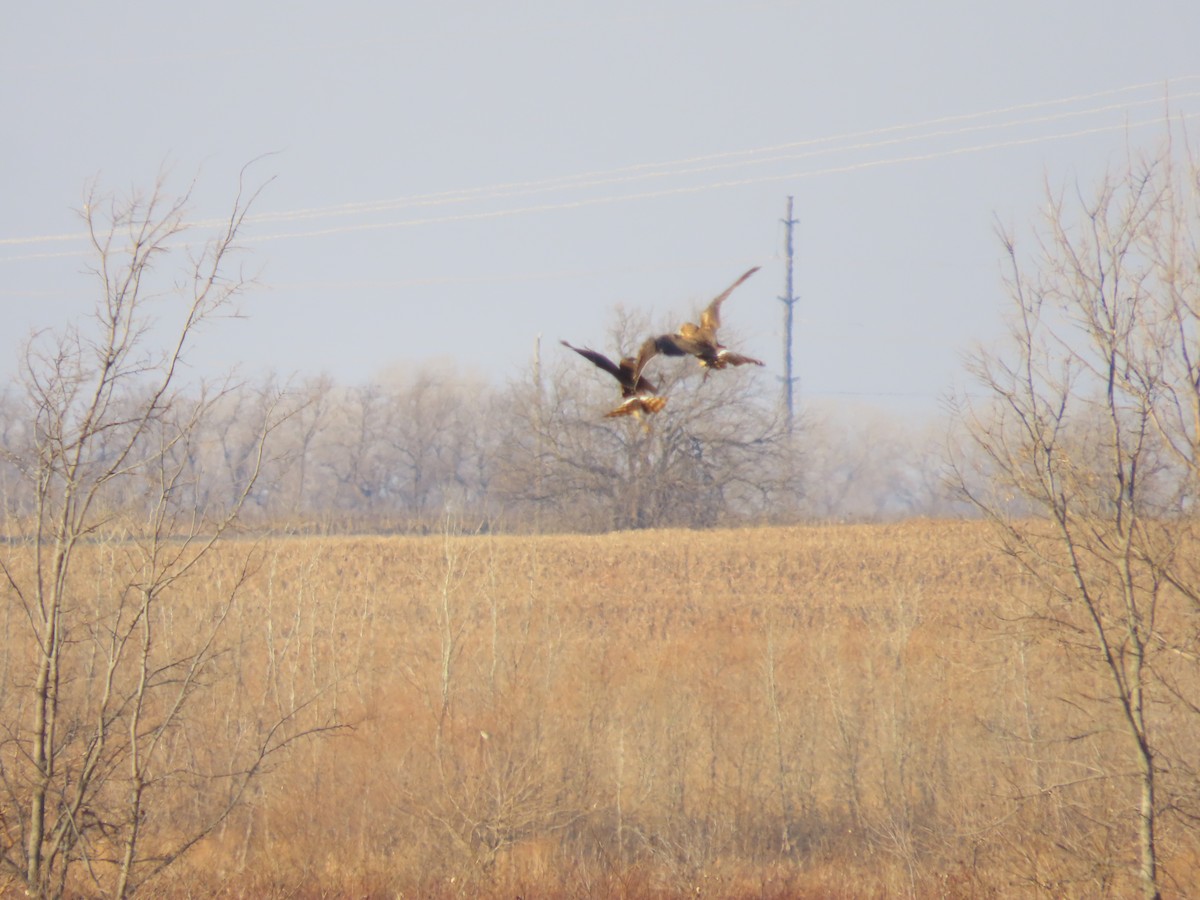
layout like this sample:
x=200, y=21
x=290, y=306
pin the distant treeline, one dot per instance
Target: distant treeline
x=402, y=453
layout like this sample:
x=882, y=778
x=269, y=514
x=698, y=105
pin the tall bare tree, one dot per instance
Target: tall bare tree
x=718, y=452
x=107, y=657
x=433, y=443
x=301, y=489
x=1091, y=423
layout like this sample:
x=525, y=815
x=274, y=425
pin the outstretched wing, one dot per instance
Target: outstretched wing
x=633, y=377
x=710, y=319
x=598, y=359
x=646, y=352
x=736, y=359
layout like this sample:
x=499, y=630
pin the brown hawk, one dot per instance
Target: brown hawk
x=640, y=396
x=701, y=341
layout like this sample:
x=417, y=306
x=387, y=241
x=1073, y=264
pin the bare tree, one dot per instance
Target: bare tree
x=107, y=656
x=354, y=453
x=304, y=428
x=718, y=452
x=398, y=452
x=231, y=452
x=1092, y=425
x=433, y=442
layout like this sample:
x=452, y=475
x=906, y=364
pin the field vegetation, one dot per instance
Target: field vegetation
x=810, y=711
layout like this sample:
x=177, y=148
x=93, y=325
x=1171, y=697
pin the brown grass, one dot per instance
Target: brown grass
x=835, y=711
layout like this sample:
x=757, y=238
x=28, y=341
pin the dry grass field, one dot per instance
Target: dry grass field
x=826, y=711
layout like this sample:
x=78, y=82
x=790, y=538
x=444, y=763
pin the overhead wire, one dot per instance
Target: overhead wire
x=711, y=185
x=688, y=165
x=864, y=142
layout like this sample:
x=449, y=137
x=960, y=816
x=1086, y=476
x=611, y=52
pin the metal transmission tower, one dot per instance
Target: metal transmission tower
x=789, y=303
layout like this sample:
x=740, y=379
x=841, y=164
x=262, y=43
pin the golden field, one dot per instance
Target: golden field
x=823, y=711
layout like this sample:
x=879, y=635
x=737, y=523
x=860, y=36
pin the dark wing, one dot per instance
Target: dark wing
x=676, y=345
x=598, y=359
x=710, y=319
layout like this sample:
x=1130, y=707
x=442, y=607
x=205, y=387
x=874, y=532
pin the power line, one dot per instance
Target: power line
x=644, y=195
x=675, y=169
x=719, y=161
x=753, y=156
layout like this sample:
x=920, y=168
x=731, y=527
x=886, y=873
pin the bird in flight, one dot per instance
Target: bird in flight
x=701, y=341
x=640, y=396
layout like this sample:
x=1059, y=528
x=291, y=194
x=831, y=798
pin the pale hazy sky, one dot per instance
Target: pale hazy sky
x=453, y=179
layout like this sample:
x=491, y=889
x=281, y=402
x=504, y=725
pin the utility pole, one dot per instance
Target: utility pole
x=789, y=303
x=539, y=428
